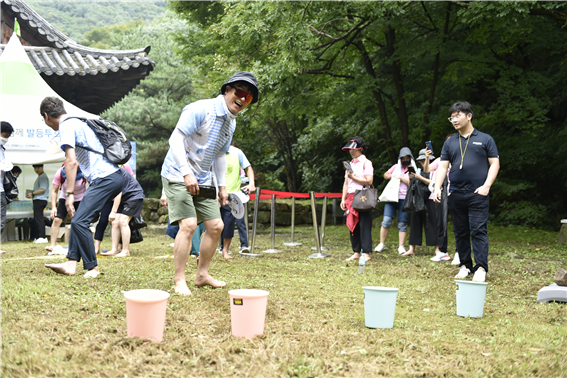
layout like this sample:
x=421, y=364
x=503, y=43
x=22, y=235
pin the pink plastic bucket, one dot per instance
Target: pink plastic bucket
x=248, y=312
x=145, y=313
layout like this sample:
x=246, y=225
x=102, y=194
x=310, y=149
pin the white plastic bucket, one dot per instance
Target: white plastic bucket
x=470, y=298
x=379, y=306
x=248, y=312
x=145, y=313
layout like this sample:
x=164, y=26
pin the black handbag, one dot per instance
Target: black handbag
x=415, y=198
x=136, y=236
x=10, y=187
x=137, y=223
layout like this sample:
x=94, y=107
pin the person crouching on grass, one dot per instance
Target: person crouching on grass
x=202, y=137
x=105, y=184
x=126, y=205
x=358, y=223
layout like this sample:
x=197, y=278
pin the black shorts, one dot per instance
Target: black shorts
x=62, y=209
x=131, y=208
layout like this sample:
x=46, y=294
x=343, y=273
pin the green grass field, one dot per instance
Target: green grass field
x=76, y=327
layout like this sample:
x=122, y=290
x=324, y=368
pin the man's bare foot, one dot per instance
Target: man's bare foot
x=112, y=252
x=49, y=248
x=123, y=254
x=181, y=288
x=408, y=253
x=226, y=256
x=355, y=256
x=93, y=273
x=366, y=256
x=68, y=268
x=208, y=280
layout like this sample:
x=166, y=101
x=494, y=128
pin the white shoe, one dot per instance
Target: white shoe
x=380, y=247
x=171, y=245
x=440, y=256
x=456, y=260
x=245, y=249
x=401, y=250
x=58, y=250
x=463, y=273
x=479, y=275
x=41, y=241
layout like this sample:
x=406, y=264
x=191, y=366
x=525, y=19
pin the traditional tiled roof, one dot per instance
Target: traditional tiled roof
x=66, y=56
x=61, y=61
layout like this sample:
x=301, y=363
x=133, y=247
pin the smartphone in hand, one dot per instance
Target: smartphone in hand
x=411, y=169
x=429, y=146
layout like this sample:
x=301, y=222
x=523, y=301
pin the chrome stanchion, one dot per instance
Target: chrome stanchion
x=319, y=254
x=254, y=223
x=292, y=243
x=273, y=224
x=323, y=221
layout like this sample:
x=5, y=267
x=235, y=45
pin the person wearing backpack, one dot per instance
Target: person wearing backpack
x=198, y=143
x=83, y=149
x=58, y=208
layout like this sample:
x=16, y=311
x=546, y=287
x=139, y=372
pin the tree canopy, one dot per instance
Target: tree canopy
x=389, y=71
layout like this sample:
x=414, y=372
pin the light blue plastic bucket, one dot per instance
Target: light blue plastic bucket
x=379, y=306
x=470, y=298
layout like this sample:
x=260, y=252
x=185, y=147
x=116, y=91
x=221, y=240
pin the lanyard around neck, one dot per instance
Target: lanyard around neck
x=461, y=147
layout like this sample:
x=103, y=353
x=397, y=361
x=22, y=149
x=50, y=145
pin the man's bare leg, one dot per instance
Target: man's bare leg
x=181, y=251
x=208, y=246
x=115, y=238
x=126, y=234
x=225, y=248
x=54, y=233
x=68, y=268
x=97, y=246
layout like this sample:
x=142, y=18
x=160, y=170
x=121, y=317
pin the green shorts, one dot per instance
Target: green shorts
x=181, y=204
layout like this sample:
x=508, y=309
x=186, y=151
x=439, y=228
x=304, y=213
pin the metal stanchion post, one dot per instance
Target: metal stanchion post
x=252, y=240
x=319, y=254
x=292, y=244
x=246, y=217
x=273, y=224
x=323, y=221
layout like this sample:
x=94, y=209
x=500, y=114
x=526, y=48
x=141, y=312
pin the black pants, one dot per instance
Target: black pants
x=103, y=221
x=426, y=220
x=441, y=229
x=3, y=208
x=361, y=237
x=470, y=217
x=39, y=223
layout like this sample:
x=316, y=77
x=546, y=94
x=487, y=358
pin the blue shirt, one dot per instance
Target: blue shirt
x=208, y=131
x=480, y=148
x=76, y=133
x=41, y=182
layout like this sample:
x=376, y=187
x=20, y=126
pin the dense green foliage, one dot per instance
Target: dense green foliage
x=75, y=18
x=149, y=113
x=389, y=72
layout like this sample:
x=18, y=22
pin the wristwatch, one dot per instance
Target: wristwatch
x=68, y=192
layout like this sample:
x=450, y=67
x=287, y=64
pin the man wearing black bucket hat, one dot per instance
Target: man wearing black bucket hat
x=200, y=141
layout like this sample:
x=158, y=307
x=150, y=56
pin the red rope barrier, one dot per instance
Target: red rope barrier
x=267, y=194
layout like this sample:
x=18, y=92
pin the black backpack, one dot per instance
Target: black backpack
x=114, y=140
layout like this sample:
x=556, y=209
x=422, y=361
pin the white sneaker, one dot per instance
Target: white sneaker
x=58, y=250
x=463, y=273
x=380, y=247
x=479, y=275
x=245, y=249
x=401, y=250
x=440, y=256
x=171, y=245
x=41, y=241
x=456, y=260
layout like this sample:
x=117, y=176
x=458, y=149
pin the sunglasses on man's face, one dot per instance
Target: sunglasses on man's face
x=242, y=93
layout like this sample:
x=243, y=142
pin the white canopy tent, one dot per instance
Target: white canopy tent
x=21, y=91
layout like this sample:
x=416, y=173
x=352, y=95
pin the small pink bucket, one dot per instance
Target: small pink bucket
x=145, y=313
x=248, y=312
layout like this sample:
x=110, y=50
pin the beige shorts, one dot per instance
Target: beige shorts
x=181, y=204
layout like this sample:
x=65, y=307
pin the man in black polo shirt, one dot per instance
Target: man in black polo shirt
x=474, y=166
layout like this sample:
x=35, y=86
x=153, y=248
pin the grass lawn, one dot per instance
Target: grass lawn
x=76, y=327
